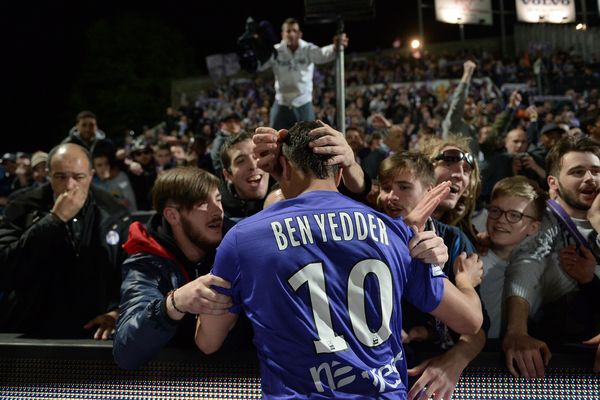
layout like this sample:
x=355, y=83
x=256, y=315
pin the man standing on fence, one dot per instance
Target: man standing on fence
x=293, y=65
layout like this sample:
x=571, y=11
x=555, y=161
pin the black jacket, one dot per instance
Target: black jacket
x=234, y=208
x=55, y=276
x=142, y=185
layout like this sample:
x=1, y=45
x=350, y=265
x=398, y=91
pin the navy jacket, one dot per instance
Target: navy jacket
x=156, y=266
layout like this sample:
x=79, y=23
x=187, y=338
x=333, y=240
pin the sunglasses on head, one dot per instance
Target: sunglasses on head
x=454, y=156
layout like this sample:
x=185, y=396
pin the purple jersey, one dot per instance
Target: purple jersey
x=321, y=277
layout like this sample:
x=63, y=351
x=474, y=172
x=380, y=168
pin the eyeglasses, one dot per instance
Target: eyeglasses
x=512, y=216
x=455, y=156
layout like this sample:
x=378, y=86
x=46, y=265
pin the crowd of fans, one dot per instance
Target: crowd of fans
x=386, y=115
x=454, y=117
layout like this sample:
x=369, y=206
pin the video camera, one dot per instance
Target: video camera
x=256, y=44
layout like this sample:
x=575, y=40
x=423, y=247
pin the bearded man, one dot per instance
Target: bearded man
x=166, y=280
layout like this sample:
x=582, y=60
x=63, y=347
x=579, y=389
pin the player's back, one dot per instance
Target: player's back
x=321, y=277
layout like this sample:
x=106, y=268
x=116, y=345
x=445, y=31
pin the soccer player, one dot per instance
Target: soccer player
x=321, y=276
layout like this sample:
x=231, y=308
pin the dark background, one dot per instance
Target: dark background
x=118, y=58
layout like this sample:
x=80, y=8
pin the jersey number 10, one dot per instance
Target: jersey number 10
x=328, y=341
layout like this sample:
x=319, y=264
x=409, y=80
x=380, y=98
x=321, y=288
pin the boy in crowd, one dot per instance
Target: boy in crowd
x=110, y=178
x=514, y=213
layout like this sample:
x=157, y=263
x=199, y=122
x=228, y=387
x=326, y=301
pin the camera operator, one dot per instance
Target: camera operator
x=293, y=65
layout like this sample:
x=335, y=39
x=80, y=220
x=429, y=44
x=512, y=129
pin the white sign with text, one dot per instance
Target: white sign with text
x=546, y=11
x=464, y=11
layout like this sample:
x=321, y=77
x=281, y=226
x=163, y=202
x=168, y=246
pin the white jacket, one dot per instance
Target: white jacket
x=294, y=71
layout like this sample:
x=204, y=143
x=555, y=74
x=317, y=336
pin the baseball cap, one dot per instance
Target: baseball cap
x=231, y=116
x=9, y=157
x=552, y=127
x=38, y=157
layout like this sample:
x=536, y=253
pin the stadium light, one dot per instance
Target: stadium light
x=415, y=44
x=581, y=27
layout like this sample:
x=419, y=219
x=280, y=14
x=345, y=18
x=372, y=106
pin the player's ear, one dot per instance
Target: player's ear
x=338, y=176
x=286, y=167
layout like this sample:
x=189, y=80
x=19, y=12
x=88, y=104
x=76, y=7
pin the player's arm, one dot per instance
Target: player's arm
x=460, y=307
x=211, y=331
x=333, y=144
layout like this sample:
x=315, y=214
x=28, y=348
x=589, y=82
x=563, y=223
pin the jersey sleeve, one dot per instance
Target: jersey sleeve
x=227, y=266
x=425, y=286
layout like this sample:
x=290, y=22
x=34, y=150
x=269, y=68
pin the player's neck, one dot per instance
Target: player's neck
x=302, y=185
x=321, y=184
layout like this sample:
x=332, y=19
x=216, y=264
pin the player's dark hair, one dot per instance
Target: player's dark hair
x=295, y=148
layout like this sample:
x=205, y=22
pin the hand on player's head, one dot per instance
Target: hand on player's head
x=334, y=144
x=268, y=149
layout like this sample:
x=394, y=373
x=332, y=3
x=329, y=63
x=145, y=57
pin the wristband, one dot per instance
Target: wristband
x=171, y=295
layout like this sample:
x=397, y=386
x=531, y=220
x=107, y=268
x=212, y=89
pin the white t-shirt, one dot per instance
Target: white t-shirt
x=491, y=291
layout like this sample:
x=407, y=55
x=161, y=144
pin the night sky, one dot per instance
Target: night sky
x=46, y=42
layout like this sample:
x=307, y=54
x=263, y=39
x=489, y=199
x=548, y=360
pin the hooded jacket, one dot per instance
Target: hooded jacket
x=235, y=208
x=154, y=267
x=75, y=137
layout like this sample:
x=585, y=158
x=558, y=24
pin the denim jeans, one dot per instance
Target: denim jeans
x=284, y=117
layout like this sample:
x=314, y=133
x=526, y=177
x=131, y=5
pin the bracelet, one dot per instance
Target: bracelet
x=171, y=295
